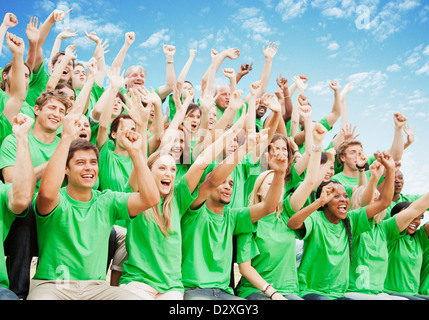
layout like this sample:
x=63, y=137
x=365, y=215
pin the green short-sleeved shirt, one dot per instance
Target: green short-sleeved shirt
x=37, y=85
x=95, y=94
x=424, y=274
x=40, y=152
x=5, y=127
x=6, y=219
x=25, y=109
x=114, y=169
x=153, y=258
x=405, y=263
x=275, y=258
x=207, y=246
x=402, y=198
x=349, y=182
x=368, y=267
x=73, y=239
x=325, y=263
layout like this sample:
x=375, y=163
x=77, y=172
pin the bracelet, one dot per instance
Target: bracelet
x=264, y=289
x=360, y=167
x=170, y=61
x=271, y=296
x=317, y=148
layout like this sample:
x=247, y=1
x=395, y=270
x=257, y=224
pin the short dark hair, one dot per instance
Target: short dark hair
x=80, y=144
x=55, y=58
x=399, y=207
x=6, y=70
x=115, y=123
x=52, y=94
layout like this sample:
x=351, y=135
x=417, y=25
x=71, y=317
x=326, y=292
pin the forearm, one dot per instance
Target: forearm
x=120, y=57
x=294, y=121
x=250, y=273
x=273, y=197
x=265, y=76
x=297, y=220
x=369, y=191
x=84, y=95
x=31, y=55
x=23, y=181
x=55, y=48
x=397, y=148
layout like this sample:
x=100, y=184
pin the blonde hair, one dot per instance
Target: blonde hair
x=255, y=197
x=162, y=220
x=357, y=199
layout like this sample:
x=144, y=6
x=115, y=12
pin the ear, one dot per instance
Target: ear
x=36, y=110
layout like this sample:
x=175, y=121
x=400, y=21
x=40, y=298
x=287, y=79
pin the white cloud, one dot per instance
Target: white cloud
x=333, y=46
x=368, y=82
x=393, y=68
x=290, y=9
x=252, y=21
x=321, y=88
x=426, y=51
x=155, y=39
x=423, y=70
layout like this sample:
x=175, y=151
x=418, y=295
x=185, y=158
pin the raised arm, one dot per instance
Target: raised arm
x=17, y=90
x=244, y=69
x=59, y=39
x=55, y=16
x=84, y=95
x=397, y=148
x=170, y=77
x=48, y=196
x=269, y=54
x=301, y=194
x=406, y=216
x=296, y=222
x=120, y=57
x=386, y=195
x=107, y=101
x=99, y=54
x=69, y=55
x=335, y=113
x=278, y=163
x=9, y=21
x=146, y=197
x=23, y=182
x=33, y=34
x=294, y=125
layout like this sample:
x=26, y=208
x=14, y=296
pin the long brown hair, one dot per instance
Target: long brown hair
x=162, y=220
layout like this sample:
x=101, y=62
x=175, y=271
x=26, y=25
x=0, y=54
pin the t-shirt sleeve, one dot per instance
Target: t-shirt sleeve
x=359, y=220
x=246, y=247
x=243, y=222
x=183, y=195
x=8, y=152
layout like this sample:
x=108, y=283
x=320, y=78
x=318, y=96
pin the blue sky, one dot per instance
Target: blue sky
x=380, y=46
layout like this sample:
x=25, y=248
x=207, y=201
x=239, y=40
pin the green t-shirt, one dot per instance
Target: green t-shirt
x=37, y=85
x=405, y=263
x=207, y=246
x=325, y=262
x=424, y=274
x=40, y=152
x=73, y=239
x=6, y=219
x=402, y=198
x=275, y=258
x=25, y=109
x=153, y=258
x=368, y=267
x=95, y=94
x=349, y=182
x=5, y=127
x=114, y=169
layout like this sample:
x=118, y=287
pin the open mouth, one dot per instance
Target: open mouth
x=88, y=177
x=342, y=208
x=83, y=135
x=166, y=182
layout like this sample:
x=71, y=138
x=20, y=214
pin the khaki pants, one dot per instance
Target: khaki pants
x=77, y=290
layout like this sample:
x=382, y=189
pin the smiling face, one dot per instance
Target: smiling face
x=135, y=78
x=329, y=174
x=399, y=182
x=82, y=169
x=232, y=146
x=415, y=224
x=339, y=205
x=223, y=99
x=164, y=174
x=222, y=194
x=212, y=117
x=178, y=146
x=50, y=116
x=260, y=111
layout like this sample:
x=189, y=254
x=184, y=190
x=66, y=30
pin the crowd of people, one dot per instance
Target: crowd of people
x=168, y=191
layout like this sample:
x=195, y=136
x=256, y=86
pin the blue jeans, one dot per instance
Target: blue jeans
x=262, y=296
x=208, y=294
x=315, y=296
x=6, y=294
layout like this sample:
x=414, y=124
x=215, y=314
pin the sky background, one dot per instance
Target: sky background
x=380, y=46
